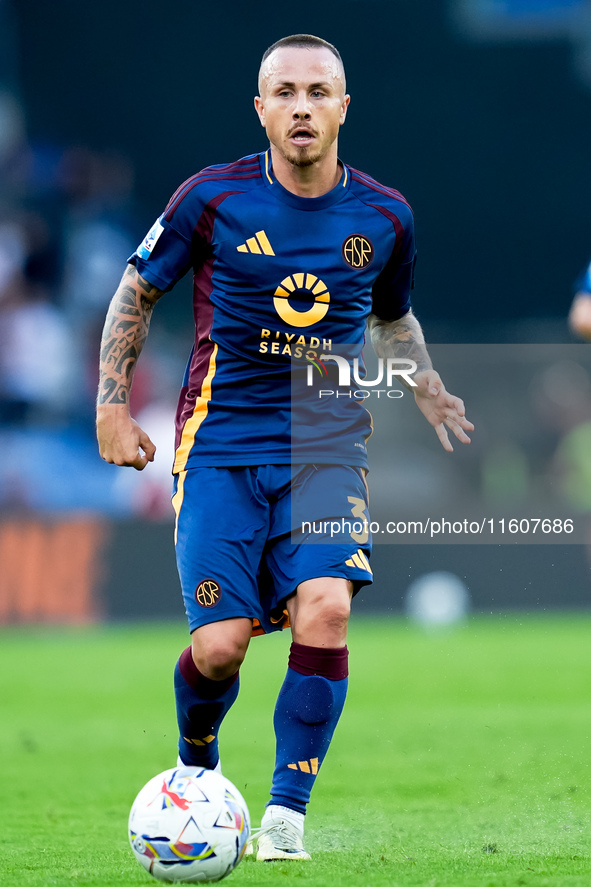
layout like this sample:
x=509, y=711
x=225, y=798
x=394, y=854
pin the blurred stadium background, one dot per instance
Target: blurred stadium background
x=479, y=111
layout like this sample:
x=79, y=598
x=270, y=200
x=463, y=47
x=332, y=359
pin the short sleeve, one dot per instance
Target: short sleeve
x=164, y=256
x=391, y=290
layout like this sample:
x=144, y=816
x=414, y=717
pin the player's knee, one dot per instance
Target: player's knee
x=322, y=623
x=219, y=648
x=332, y=613
x=218, y=658
x=336, y=620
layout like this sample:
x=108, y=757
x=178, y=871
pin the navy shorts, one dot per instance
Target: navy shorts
x=246, y=537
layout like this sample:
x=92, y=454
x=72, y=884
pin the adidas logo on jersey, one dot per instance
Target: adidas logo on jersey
x=359, y=560
x=310, y=766
x=259, y=244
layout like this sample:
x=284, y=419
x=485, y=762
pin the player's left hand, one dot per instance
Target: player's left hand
x=441, y=409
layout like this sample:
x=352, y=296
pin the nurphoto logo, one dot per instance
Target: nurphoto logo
x=389, y=370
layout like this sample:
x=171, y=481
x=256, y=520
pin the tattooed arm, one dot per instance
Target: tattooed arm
x=404, y=338
x=401, y=338
x=120, y=438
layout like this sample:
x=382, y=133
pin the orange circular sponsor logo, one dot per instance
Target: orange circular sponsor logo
x=301, y=283
x=208, y=593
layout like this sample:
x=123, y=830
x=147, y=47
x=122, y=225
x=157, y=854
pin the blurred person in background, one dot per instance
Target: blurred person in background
x=66, y=227
x=14, y=150
x=36, y=356
x=96, y=240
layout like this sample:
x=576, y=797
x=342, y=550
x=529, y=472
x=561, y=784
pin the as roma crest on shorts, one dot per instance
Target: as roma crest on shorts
x=357, y=251
x=208, y=593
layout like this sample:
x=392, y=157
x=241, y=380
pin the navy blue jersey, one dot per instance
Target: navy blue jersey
x=277, y=279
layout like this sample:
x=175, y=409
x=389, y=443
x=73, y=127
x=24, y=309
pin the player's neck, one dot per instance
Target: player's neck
x=307, y=181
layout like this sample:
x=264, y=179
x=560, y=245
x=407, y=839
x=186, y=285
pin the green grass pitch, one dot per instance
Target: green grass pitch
x=462, y=757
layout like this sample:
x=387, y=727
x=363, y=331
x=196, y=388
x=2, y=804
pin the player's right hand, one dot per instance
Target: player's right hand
x=121, y=440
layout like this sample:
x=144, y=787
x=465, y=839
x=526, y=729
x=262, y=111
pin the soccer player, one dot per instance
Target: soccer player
x=292, y=253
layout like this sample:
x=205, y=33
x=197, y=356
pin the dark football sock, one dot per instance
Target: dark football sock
x=308, y=708
x=201, y=705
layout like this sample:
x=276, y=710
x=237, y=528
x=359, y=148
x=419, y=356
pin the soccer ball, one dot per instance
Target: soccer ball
x=189, y=825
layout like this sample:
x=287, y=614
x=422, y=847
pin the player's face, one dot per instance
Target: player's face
x=302, y=103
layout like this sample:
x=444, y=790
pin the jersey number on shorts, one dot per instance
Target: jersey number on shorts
x=358, y=510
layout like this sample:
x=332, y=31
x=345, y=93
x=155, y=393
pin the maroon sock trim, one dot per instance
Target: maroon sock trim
x=206, y=687
x=328, y=662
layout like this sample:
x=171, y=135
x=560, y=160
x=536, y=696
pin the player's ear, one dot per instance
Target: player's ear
x=260, y=109
x=344, y=108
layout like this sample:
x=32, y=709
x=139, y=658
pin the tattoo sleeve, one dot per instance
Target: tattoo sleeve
x=125, y=331
x=401, y=338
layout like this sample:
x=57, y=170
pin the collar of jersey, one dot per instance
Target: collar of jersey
x=309, y=204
